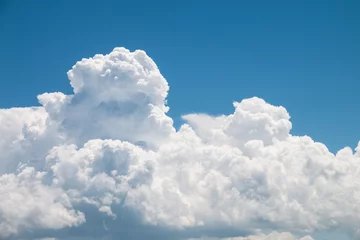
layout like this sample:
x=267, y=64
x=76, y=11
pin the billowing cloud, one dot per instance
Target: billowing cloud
x=106, y=161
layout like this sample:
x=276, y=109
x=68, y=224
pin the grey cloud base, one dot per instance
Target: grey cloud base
x=106, y=161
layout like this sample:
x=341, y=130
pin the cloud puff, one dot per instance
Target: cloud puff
x=106, y=161
x=116, y=96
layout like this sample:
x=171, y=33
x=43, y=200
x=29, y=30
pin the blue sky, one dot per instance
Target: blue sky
x=304, y=55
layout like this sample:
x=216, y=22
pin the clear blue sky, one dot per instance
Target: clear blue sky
x=304, y=55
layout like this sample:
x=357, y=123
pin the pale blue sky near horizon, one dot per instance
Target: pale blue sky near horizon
x=303, y=55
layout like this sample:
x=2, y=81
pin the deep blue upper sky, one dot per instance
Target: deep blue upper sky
x=304, y=55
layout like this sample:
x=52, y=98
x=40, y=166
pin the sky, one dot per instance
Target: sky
x=303, y=55
x=244, y=81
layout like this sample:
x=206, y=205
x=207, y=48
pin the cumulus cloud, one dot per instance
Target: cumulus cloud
x=106, y=161
x=271, y=236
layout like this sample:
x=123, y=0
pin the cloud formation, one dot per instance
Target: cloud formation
x=106, y=161
x=271, y=236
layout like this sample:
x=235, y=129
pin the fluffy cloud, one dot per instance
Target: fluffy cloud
x=106, y=161
x=271, y=236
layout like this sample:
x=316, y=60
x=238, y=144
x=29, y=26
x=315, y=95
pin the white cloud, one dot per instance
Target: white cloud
x=27, y=204
x=16, y=125
x=270, y=236
x=107, y=161
x=253, y=119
